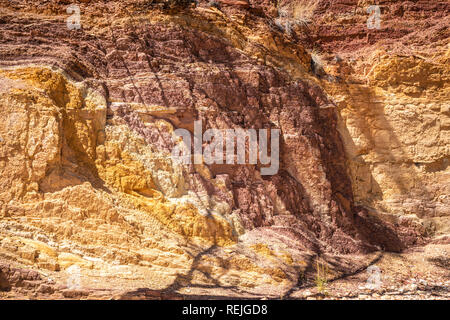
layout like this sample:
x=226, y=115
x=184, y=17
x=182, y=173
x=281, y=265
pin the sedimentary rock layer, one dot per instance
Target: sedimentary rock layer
x=87, y=131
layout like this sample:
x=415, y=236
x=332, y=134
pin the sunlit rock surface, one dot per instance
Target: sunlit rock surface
x=92, y=205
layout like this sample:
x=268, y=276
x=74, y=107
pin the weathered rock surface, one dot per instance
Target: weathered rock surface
x=87, y=132
x=391, y=89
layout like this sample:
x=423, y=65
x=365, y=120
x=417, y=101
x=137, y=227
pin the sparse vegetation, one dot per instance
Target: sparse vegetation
x=322, y=277
x=303, y=11
x=299, y=13
x=316, y=56
x=317, y=63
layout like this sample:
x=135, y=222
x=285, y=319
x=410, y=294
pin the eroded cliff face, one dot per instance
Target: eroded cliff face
x=88, y=128
x=391, y=89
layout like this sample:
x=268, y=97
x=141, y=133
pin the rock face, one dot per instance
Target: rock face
x=393, y=105
x=88, y=129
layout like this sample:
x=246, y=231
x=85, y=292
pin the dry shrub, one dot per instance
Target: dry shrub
x=303, y=11
x=290, y=14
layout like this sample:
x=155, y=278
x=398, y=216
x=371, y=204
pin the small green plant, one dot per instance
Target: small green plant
x=322, y=277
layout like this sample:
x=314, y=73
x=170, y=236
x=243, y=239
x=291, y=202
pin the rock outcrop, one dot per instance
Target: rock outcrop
x=87, y=131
